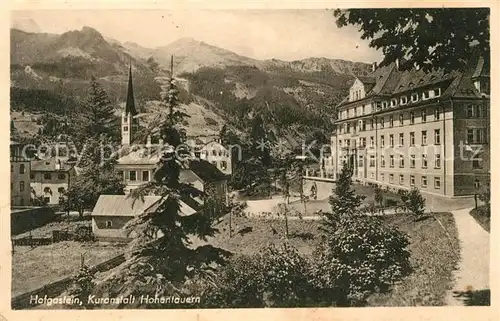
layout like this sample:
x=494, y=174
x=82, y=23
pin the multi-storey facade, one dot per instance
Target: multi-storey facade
x=217, y=154
x=51, y=178
x=404, y=129
x=20, y=169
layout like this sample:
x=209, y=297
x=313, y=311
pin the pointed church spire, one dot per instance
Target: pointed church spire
x=130, y=104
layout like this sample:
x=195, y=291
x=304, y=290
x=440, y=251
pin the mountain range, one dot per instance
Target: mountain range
x=50, y=73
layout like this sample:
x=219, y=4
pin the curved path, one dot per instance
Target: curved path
x=472, y=276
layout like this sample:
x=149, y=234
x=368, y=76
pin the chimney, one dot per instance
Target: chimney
x=58, y=164
x=374, y=66
x=160, y=142
x=148, y=144
x=397, y=63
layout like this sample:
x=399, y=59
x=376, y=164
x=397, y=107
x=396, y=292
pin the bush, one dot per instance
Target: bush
x=275, y=277
x=210, y=121
x=415, y=202
x=83, y=285
x=83, y=234
x=485, y=196
x=361, y=257
x=391, y=202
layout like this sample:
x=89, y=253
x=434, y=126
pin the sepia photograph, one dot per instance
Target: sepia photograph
x=257, y=158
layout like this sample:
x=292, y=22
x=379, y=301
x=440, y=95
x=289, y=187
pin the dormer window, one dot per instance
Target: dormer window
x=394, y=102
x=425, y=95
x=379, y=105
x=403, y=100
x=414, y=97
x=437, y=92
x=384, y=105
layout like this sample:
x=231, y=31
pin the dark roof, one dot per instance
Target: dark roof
x=391, y=81
x=367, y=80
x=187, y=176
x=130, y=104
x=208, y=172
x=382, y=75
x=49, y=165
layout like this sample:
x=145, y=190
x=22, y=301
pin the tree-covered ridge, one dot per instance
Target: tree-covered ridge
x=287, y=99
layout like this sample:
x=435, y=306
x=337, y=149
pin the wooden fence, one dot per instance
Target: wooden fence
x=57, y=236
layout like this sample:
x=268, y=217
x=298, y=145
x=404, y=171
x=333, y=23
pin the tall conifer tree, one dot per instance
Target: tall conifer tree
x=162, y=256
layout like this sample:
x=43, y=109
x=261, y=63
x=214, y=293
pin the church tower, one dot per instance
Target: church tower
x=129, y=124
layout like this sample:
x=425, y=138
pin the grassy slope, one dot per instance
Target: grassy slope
x=33, y=268
x=481, y=218
x=303, y=234
x=434, y=257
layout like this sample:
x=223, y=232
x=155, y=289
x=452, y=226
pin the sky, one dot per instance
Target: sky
x=259, y=34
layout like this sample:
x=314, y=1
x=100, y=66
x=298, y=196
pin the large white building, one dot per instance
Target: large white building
x=403, y=129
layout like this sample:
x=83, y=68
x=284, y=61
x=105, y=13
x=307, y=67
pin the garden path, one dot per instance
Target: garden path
x=471, y=279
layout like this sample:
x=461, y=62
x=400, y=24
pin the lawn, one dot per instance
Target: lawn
x=482, y=217
x=369, y=193
x=33, y=268
x=433, y=257
x=250, y=235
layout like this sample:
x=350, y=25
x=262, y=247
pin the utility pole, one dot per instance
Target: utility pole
x=172, y=67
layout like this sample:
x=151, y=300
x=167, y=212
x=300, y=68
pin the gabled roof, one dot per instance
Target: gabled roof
x=49, y=165
x=367, y=80
x=188, y=177
x=124, y=205
x=206, y=171
x=141, y=155
x=212, y=144
x=382, y=75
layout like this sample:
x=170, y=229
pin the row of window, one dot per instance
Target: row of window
x=423, y=180
x=216, y=152
x=476, y=161
x=48, y=176
x=48, y=190
x=471, y=111
x=133, y=176
x=393, y=103
x=222, y=165
x=362, y=124
x=401, y=161
x=22, y=168
x=473, y=136
x=362, y=140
